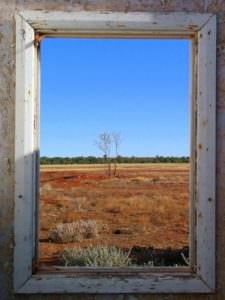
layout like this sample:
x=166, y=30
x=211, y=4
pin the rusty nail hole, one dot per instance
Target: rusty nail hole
x=209, y=199
x=200, y=146
x=37, y=40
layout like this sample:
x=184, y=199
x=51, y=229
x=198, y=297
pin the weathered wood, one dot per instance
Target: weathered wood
x=206, y=153
x=24, y=152
x=62, y=22
x=112, y=271
x=182, y=25
x=192, y=174
x=157, y=283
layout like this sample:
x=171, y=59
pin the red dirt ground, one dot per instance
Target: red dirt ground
x=146, y=205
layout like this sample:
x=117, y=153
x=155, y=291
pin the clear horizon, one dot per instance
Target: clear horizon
x=139, y=88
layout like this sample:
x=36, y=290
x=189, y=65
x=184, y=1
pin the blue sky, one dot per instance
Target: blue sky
x=139, y=88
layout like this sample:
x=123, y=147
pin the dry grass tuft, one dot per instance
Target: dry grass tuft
x=100, y=256
x=73, y=232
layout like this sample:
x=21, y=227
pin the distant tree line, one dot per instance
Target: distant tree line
x=45, y=160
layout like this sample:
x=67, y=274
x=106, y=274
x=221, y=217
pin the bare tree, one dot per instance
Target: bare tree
x=104, y=144
x=116, y=139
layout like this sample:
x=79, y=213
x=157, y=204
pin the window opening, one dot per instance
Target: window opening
x=115, y=149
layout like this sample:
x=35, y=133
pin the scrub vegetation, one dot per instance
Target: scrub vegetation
x=73, y=232
x=100, y=256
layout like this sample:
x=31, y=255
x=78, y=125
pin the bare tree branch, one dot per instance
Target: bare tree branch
x=116, y=139
x=104, y=144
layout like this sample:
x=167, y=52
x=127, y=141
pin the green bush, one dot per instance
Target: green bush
x=100, y=256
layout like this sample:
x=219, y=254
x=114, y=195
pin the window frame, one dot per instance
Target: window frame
x=31, y=27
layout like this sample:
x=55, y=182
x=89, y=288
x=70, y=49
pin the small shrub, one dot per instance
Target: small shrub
x=100, y=256
x=74, y=232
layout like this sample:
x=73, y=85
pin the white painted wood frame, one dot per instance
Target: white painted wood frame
x=201, y=29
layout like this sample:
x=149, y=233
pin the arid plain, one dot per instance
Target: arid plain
x=145, y=206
